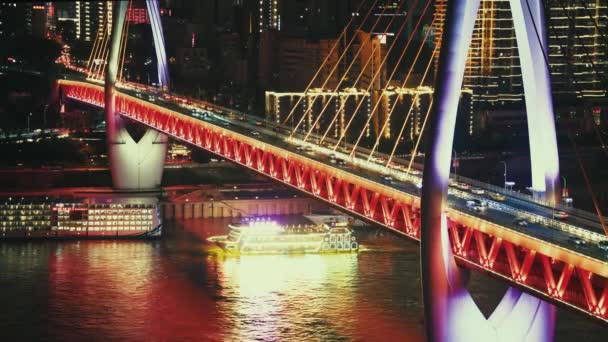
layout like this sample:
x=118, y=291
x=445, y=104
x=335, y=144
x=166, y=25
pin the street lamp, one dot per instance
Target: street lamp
x=29, y=116
x=505, y=174
x=455, y=163
x=565, y=196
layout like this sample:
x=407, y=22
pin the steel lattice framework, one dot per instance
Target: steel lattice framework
x=548, y=271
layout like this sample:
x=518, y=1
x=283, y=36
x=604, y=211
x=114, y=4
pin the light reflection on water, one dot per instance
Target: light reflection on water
x=180, y=288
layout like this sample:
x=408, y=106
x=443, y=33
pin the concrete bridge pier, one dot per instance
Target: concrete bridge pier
x=135, y=165
x=450, y=312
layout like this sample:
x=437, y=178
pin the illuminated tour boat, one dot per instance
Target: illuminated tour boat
x=263, y=236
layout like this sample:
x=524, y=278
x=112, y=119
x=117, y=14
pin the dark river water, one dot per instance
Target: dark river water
x=180, y=288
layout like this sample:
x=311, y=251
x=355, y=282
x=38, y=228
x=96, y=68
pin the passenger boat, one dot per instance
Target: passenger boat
x=106, y=217
x=264, y=236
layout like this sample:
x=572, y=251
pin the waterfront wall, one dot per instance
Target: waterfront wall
x=238, y=208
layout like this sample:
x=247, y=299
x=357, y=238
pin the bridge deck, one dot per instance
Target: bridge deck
x=539, y=257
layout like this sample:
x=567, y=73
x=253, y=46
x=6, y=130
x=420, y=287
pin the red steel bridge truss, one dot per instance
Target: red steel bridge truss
x=557, y=274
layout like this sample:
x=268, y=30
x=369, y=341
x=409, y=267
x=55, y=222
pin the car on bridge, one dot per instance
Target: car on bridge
x=603, y=245
x=561, y=215
x=462, y=186
x=478, y=191
x=477, y=205
x=521, y=222
x=497, y=197
x=578, y=242
x=386, y=179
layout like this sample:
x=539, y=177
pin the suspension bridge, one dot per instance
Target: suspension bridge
x=462, y=224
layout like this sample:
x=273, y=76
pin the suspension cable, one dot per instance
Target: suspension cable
x=125, y=39
x=409, y=112
x=105, y=58
x=311, y=128
x=390, y=113
x=578, y=157
x=377, y=103
x=415, y=150
x=91, y=55
x=95, y=52
x=309, y=109
x=588, y=183
x=331, y=51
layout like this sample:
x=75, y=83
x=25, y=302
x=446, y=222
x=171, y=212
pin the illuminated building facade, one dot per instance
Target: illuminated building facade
x=269, y=15
x=94, y=217
x=492, y=70
x=137, y=15
x=12, y=15
x=94, y=17
x=578, y=50
x=87, y=16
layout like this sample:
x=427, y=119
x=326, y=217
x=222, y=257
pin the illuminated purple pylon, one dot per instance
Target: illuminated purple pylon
x=134, y=165
x=450, y=312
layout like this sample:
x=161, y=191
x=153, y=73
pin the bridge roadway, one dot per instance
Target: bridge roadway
x=540, y=257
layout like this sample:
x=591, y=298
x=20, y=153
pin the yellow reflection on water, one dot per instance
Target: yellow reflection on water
x=280, y=295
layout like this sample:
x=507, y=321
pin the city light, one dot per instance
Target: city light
x=306, y=171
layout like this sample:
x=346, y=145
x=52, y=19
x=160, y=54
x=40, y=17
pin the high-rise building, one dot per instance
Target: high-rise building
x=269, y=17
x=88, y=17
x=69, y=12
x=313, y=17
x=492, y=70
x=578, y=48
x=95, y=17
x=12, y=18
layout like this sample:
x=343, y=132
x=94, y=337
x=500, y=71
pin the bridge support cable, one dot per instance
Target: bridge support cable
x=588, y=183
x=309, y=107
x=99, y=39
x=123, y=48
x=572, y=141
x=576, y=152
x=374, y=77
x=337, y=88
x=409, y=112
x=450, y=312
x=104, y=64
x=403, y=84
x=92, y=54
x=331, y=51
x=415, y=149
x=134, y=165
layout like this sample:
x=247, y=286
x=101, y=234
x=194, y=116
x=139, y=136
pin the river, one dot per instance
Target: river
x=180, y=288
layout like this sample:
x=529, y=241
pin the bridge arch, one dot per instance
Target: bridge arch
x=450, y=312
x=135, y=165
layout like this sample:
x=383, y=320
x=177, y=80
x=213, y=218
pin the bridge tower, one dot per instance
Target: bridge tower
x=450, y=312
x=135, y=165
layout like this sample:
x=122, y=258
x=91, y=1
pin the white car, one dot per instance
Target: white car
x=386, y=178
x=520, y=222
x=478, y=191
x=577, y=241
